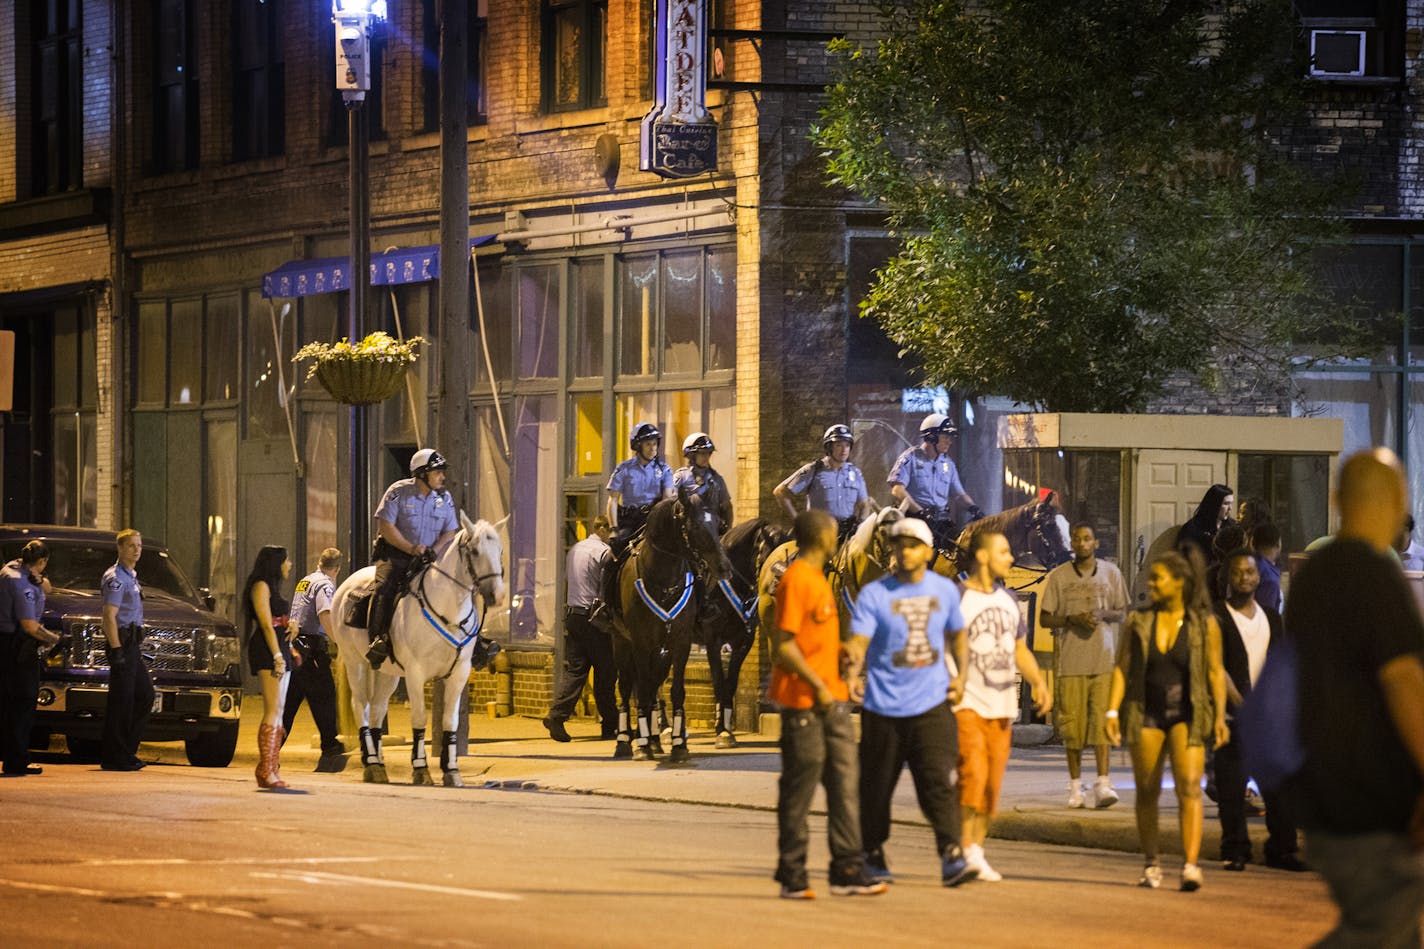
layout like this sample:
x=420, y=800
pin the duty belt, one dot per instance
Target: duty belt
x=579, y=610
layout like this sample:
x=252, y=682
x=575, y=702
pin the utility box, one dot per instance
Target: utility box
x=1138, y=477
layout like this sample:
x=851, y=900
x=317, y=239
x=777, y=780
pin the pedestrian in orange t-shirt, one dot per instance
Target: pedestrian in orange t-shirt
x=817, y=741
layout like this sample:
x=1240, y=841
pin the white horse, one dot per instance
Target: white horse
x=432, y=636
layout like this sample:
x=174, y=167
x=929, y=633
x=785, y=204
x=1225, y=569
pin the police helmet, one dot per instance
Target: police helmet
x=837, y=433
x=427, y=459
x=936, y=424
x=642, y=432
x=697, y=441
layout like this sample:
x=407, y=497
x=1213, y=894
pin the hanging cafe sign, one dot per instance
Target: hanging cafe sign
x=679, y=137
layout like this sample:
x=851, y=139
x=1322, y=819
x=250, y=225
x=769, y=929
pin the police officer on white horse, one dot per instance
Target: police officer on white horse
x=698, y=474
x=415, y=516
x=926, y=481
x=830, y=483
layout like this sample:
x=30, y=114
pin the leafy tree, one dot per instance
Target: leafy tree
x=1089, y=193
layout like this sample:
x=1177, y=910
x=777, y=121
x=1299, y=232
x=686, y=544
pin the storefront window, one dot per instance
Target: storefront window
x=1088, y=485
x=539, y=315
x=1293, y=488
x=586, y=350
x=496, y=319
x=638, y=310
x=586, y=456
x=152, y=379
x=534, y=520
x=185, y=352
x=319, y=456
x=265, y=413
x=221, y=337
x=721, y=309
x=682, y=311
x=220, y=503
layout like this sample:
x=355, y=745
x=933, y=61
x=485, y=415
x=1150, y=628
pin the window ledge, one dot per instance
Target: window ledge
x=54, y=212
x=1367, y=82
x=562, y=120
x=422, y=140
x=252, y=166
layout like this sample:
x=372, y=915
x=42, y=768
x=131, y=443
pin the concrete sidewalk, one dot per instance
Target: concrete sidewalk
x=516, y=752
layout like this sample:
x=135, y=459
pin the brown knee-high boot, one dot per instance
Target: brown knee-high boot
x=264, y=757
x=279, y=735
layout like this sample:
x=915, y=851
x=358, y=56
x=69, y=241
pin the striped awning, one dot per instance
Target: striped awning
x=304, y=278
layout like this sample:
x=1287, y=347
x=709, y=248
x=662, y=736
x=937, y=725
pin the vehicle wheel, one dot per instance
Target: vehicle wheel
x=212, y=749
x=85, y=749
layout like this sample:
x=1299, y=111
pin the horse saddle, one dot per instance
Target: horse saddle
x=358, y=605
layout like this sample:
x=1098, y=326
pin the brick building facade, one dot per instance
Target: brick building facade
x=211, y=152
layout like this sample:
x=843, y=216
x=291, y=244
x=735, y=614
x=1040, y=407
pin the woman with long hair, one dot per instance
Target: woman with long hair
x=269, y=654
x=1171, y=686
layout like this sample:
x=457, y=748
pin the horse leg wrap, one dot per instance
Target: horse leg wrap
x=644, y=727
x=380, y=756
x=448, y=760
x=370, y=748
x=679, y=734
x=726, y=715
x=623, y=721
x=417, y=748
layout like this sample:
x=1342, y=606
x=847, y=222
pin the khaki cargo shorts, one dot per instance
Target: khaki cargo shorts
x=1080, y=703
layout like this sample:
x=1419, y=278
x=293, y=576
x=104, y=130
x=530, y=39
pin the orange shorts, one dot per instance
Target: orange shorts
x=984, y=745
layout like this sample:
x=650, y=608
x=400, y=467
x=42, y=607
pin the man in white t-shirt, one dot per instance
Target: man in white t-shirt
x=1247, y=631
x=990, y=649
x=1084, y=603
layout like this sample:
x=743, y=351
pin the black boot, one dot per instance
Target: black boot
x=484, y=652
x=379, y=629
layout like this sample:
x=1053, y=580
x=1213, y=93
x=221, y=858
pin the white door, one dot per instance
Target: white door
x=1168, y=484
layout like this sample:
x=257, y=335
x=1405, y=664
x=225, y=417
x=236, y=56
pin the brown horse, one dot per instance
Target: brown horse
x=1034, y=531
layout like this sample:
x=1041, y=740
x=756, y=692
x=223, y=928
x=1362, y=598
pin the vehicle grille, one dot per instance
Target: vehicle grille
x=173, y=648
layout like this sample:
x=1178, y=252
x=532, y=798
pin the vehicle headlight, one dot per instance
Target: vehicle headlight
x=223, y=651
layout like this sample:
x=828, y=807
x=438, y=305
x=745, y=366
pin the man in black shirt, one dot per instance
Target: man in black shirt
x=1359, y=639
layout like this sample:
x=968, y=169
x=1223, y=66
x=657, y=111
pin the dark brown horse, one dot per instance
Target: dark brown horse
x=1034, y=531
x=653, y=634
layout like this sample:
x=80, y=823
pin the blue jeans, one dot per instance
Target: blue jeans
x=817, y=748
x=1377, y=881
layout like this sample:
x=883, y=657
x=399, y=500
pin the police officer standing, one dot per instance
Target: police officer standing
x=22, y=639
x=130, y=700
x=586, y=647
x=636, y=485
x=830, y=483
x=698, y=474
x=311, y=679
x=415, y=515
x=926, y=481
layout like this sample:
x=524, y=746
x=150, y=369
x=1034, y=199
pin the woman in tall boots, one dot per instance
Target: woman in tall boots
x=269, y=654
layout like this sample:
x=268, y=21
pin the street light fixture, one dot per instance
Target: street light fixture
x=353, y=20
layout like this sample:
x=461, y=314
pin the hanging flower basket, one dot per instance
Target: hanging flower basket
x=368, y=372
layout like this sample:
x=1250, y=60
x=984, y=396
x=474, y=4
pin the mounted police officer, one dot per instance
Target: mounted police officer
x=22, y=638
x=130, y=698
x=698, y=474
x=636, y=485
x=830, y=483
x=926, y=481
x=415, y=516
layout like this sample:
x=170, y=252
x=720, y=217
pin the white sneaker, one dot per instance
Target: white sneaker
x=1103, y=793
x=1075, y=793
x=1151, y=876
x=974, y=856
x=1191, y=878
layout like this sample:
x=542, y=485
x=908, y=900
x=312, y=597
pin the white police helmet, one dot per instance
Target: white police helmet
x=936, y=424
x=697, y=441
x=427, y=459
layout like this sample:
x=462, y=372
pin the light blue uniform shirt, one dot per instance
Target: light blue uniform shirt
x=121, y=588
x=420, y=520
x=586, y=562
x=20, y=598
x=311, y=598
x=930, y=483
x=835, y=492
x=908, y=625
x=639, y=484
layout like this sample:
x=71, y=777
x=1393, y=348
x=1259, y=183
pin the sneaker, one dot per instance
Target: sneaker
x=1075, y=793
x=1103, y=793
x=801, y=892
x=954, y=869
x=974, y=856
x=875, y=867
x=1151, y=876
x=1191, y=877
x=858, y=884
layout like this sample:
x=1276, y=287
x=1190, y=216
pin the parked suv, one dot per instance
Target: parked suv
x=193, y=653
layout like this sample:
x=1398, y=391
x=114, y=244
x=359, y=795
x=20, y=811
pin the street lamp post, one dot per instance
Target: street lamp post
x=353, y=20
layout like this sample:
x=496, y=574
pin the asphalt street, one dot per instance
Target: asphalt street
x=180, y=856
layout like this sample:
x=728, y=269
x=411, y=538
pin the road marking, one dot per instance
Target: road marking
x=233, y=861
x=316, y=878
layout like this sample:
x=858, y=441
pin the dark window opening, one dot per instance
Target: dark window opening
x=175, y=88
x=1353, y=38
x=476, y=64
x=259, y=112
x=57, y=107
x=575, y=35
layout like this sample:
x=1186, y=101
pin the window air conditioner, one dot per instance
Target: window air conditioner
x=1337, y=52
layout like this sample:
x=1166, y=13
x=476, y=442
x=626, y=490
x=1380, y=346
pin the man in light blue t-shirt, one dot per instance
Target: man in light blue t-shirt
x=904, y=621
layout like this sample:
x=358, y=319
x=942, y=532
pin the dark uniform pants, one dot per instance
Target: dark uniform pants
x=312, y=681
x=586, y=649
x=130, y=699
x=19, y=687
x=391, y=571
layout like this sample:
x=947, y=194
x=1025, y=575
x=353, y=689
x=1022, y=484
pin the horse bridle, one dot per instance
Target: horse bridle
x=468, y=559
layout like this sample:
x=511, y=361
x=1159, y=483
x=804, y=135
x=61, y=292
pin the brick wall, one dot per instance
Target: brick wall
x=9, y=130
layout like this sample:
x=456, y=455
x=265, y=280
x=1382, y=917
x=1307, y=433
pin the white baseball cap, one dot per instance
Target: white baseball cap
x=912, y=527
